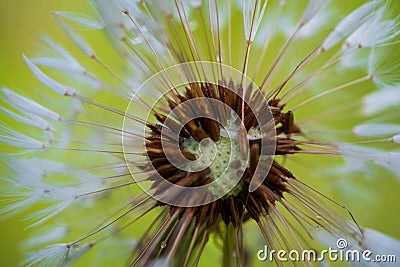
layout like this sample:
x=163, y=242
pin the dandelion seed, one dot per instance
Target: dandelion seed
x=385, y=98
x=378, y=129
x=375, y=32
x=83, y=20
x=29, y=106
x=313, y=8
x=350, y=23
x=208, y=114
x=52, y=255
x=46, y=80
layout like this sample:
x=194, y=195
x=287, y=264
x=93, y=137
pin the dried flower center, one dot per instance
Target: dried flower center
x=222, y=158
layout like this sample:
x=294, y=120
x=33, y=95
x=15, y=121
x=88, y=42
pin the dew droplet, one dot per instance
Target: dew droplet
x=163, y=244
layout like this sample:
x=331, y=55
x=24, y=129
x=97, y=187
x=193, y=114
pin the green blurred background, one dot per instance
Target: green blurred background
x=22, y=22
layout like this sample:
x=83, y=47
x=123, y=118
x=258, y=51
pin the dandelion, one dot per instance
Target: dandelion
x=173, y=155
